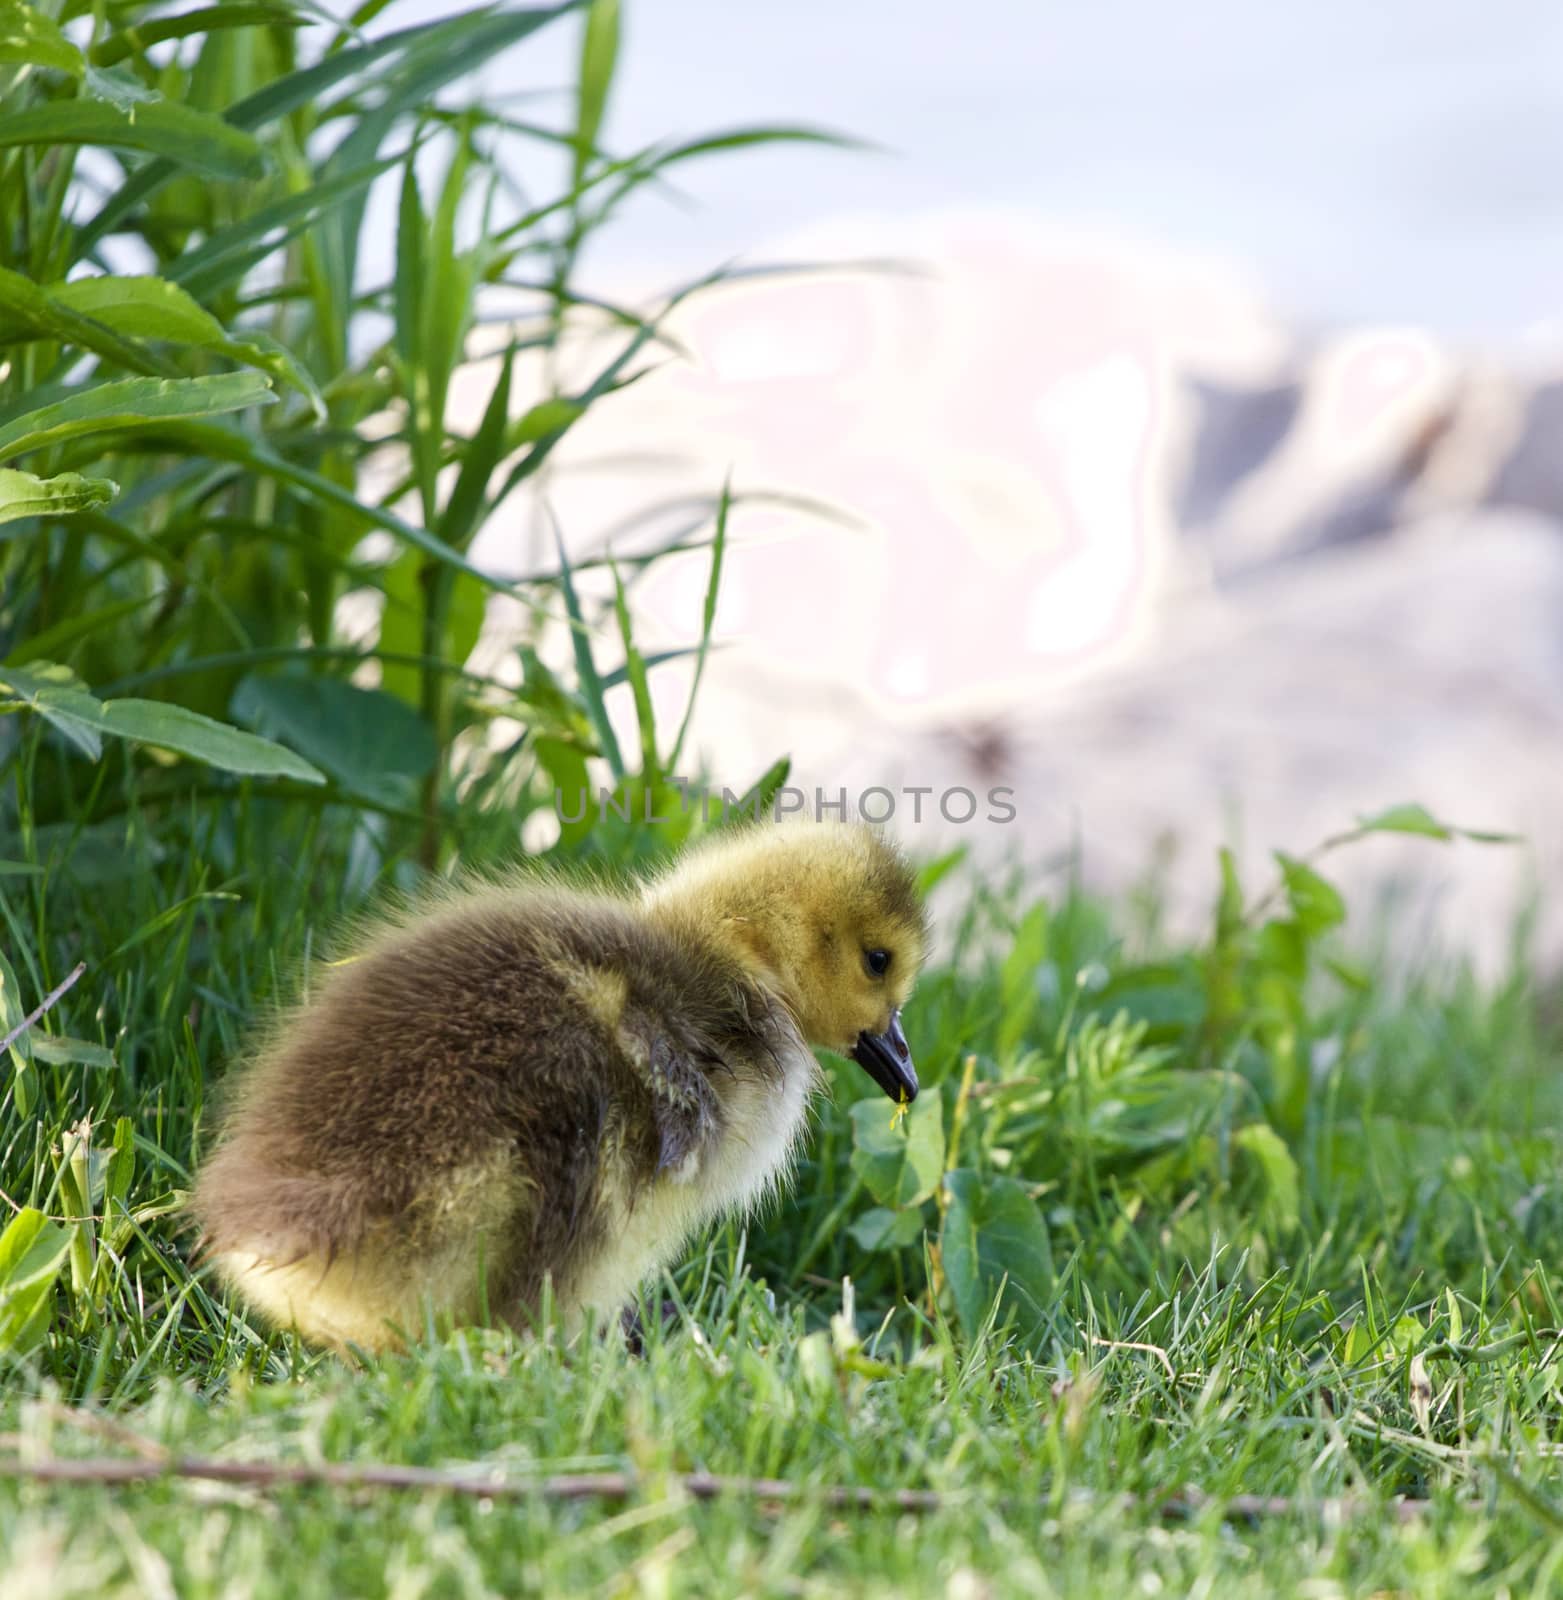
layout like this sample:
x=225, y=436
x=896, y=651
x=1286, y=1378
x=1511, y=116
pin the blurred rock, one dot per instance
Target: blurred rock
x=1123, y=544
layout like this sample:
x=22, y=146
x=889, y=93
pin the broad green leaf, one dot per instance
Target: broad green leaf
x=1315, y=902
x=1456, y=1319
x=1168, y=997
x=588, y=678
x=459, y=521
x=466, y=607
x=57, y=695
x=1280, y=1187
x=1350, y=974
x=1283, y=947
x=149, y=31
x=61, y=699
x=994, y=1245
x=899, y=1166
x=179, y=133
x=543, y=419
x=934, y=872
x=32, y=1252
x=452, y=283
x=1018, y=980
x=24, y=495
x=11, y=1013
x=411, y=85
x=745, y=138
x=228, y=444
x=605, y=381
x=401, y=625
x=411, y=234
x=132, y=403
x=454, y=42
x=599, y=56
x=758, y=800
x=223, y=258
x=882, y=1229
x=549, y=706
x=1417, y=819
x=1167, y=1108
x=118, y=89
x=640, y=688
x=60, y=1050
x=573, y=798
x=154, y=308
x=1410, y=818
x=122, y=1164
x=188, y=733
x=29, y=311
x=30, y=38
x=1406, y=1334
x=1356, y=1344
x=26, y=1249
x=371, y=742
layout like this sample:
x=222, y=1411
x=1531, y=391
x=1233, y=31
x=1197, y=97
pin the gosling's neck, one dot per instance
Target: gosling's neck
x=741, y=927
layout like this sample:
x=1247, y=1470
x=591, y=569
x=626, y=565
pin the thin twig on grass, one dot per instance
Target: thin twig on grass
x=1134, y=1344
x=49, y=1000
x=1177, y=1507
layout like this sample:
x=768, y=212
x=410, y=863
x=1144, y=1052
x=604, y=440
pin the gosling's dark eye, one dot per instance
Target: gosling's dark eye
x=877, y=962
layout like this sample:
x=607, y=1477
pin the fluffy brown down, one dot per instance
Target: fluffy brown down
x=527, y=1081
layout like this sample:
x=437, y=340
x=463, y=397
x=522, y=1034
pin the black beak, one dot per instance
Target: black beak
x=887, y=1059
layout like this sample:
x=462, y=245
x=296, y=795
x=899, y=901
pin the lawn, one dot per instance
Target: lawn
x=1242, y=1356
x=1216, y=1266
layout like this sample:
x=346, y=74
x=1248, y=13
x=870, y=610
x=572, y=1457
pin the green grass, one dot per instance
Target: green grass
x=1171, y=1227
x=224, y=377
x=1035, y=1460
x=1370, y=1319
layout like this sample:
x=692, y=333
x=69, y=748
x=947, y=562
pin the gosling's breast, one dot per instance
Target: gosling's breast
x=764, y=1127
x=742, y=1165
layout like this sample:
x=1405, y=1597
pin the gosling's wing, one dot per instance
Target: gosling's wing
x=674, y=1067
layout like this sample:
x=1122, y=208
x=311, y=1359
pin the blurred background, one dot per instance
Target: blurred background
x=1146, y=438
x=1170, y=411
x=1155, y=416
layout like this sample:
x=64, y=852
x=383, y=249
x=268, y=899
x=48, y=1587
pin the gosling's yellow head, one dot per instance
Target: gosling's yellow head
x=827, y=917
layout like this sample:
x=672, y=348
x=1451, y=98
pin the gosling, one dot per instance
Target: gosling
x=531, y=1083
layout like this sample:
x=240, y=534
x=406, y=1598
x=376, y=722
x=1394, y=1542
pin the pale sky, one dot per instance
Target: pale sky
x=1394, y=161
x=1003, y=429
